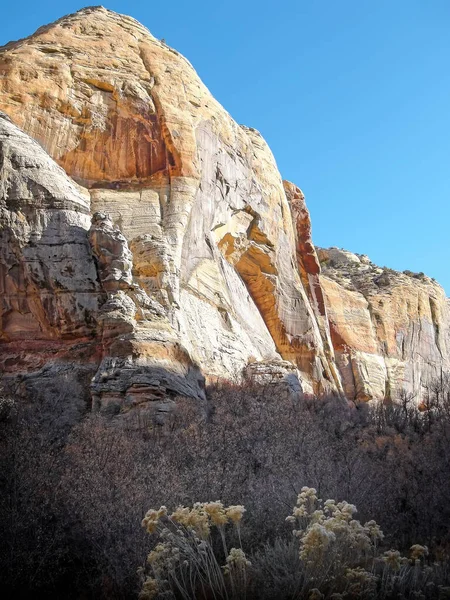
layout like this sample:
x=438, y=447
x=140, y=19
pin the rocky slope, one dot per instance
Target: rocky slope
x=197, y=262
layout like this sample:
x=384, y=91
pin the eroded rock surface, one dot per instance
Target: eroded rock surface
x=198, y=198
x=390, y=330
x=49, y=289
x=198, y=262
x=68, y=300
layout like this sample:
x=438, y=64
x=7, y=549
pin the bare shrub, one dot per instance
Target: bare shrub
x=76, y=487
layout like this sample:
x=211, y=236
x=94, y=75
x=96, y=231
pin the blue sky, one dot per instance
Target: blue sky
x=353, y=96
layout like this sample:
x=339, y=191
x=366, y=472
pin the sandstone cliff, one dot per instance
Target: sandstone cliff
x=390, y=330
x=198, y=261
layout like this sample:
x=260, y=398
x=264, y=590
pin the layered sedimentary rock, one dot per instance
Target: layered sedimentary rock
x=198, y=199
x=50, y=292
x=390, y=330
x=168, y=251
x=67, y=293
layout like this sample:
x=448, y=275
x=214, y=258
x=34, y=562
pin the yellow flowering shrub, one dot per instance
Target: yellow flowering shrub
x=184, y=562
x=336, y=557
x=332, y=543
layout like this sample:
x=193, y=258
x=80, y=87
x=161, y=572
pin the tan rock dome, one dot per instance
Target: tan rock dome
x=202, y=261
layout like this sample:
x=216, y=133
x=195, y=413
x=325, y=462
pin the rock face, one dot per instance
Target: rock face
x=390, y=330
x=198, y=261
x=67, y=292
x=50, y=292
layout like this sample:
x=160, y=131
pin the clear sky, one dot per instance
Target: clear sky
x=353, y=97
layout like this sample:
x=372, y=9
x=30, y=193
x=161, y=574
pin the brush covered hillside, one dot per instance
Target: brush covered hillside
x=195, y=401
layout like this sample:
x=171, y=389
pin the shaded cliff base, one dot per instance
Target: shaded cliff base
x=76, y=485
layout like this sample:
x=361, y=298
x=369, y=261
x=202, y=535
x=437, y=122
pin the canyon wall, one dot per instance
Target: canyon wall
x=390, y=330
x=164, y=250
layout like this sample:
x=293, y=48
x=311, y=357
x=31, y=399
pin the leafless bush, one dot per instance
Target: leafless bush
x=75, y=488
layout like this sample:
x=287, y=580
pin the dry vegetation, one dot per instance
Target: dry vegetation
x=76, y=487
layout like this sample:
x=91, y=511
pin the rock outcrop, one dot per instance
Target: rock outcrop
x=390, y=330
x=198, y=261
x=68, y=296
x=50, y=293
